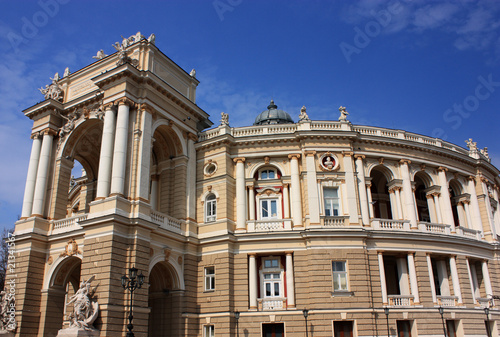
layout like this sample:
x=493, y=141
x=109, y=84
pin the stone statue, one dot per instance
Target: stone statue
x=85, y=308
x=152, y=38
x=485, y=153
x=303, y=115
x=122, y=53
x=224, y=118
x=100, y=55
x=7, y=306
x=343, y=114
x=193, y=73
x=53, y=91
x=70, y=123
x=66, y=72
x=471, y=145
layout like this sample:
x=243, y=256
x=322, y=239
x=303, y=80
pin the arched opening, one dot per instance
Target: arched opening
x=456, y=207
x=76, y=170
x=165, y=301
x=168, y=172
x=381, y=200
x=421, y=183
x=64, y=283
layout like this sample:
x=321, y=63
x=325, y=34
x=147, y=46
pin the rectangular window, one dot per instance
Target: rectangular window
x=209, y=278
x=339, y=276
x=451, y=328
x=209, y=331
x=332, y=204
x=404, y=328
x=269, y=208
x=342, y=329
x=211, y=208
x=272, y=284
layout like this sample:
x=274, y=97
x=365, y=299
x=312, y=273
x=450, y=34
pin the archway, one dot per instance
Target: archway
x=421, y=183
x=165, y=301
x=381, y=200
x=63, y=284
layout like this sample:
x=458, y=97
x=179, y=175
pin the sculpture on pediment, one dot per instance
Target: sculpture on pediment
x=152, y=38
x=303, y=115
x=471, y=145
x=85, y=307
x=7, y=306
x=224, y=118
x=122, y=54
x=193, y=73
x=66, y=72
x=485, y=153
x=100, y=55
x=53, y=90
x=343, y=114
x=70, y=124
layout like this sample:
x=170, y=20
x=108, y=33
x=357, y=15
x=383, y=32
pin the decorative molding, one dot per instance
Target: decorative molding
x=239, y=159
x=71, y=248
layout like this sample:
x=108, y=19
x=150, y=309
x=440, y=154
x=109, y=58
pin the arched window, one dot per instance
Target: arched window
x=268, y=174
x=210, y=208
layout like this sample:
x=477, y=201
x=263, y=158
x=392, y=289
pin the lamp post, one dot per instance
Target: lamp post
x=487, y=313
x=237, y=316
x=305, y=312
x=132, y=284
x=386, y=312
x=441, y=312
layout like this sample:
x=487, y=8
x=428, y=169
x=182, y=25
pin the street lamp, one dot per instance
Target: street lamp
x=305, y=312
x=441, y=312
x=237, y=316
x=386, y=312
x=132, y=284
x=487, y=313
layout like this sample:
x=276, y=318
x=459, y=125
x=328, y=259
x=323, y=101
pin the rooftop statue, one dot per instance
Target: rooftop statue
x=193, y=73
x=100, y=55
x=303, y=115
x=224, y=119
x=471, y=145
x=54, y=90
x=343, y=114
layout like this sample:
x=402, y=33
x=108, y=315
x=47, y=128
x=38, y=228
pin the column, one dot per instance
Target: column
x=467, y=214
x=154, y=192
x=437, y=208
x=474, y=286
x=408, y=193
x=443, y=277
x=144, y=131
x=42, y=175
x=191, y=177
x=486, y=278
x=399, y=204
x=404, y=284
x=241, y=209
x=383, y=285
x=445, y=199
x=251, y=202
x=363, y=197
x=431, y=278
x=487, y=203
x=461, y=214
x=29, y=190
x=286, y=201
x=352, y=202
x=290, y=287
x=120, y=149
x=475, y=212
x=296, y=193
x=432, y=208
x=370, y=200
x=312, y=188
x=106, y=155
x=252, y=281
x=455, y=280
x=413, y=278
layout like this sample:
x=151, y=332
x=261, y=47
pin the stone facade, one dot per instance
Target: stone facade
x=238, y=230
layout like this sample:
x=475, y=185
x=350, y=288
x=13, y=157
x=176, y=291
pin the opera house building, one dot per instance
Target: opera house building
x=288, y=227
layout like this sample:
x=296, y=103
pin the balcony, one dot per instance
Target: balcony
x=485, y=302
x=334, y=221
x=166, y=222
x=434, y=227
x=400, y=300
x=269, y=225
x=447, y=301
x=273, y=303
x=68, y=224
x=387, y=224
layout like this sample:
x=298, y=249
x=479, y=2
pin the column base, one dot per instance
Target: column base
x=36, y=215
x=77, y=332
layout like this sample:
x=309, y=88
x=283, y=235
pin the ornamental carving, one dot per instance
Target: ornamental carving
x=7, y=320
x=328, y=162
x=53, y=90
x=85, y=308
x=71, y=248
x=343, y=114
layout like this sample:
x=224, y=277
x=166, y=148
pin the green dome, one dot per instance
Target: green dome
x=273, y=115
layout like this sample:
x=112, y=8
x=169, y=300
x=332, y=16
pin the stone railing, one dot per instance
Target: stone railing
x=400, y=300
x=267, y=304
x=485, y=302
x=68, y=224
x=434, y=227
x=330, y=126
x=166, y=222
x=447, y=301
x=387, y=224
x=334, y=221
x=468, y=233
x=269, y=225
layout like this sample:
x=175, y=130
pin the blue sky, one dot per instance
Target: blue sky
x=428, y=67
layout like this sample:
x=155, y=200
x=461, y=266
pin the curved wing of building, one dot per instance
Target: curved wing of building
x=322, y=228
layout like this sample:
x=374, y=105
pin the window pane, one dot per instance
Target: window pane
x=267, y=276
x=271, y=174
x=274, y=263
x=339, y=266
x=336, y=283
x=267, y=263
x=274, y=212
x=265, y=212
x=268, y=289
x=276, y=289
x=343, y=281
x=276, y=276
